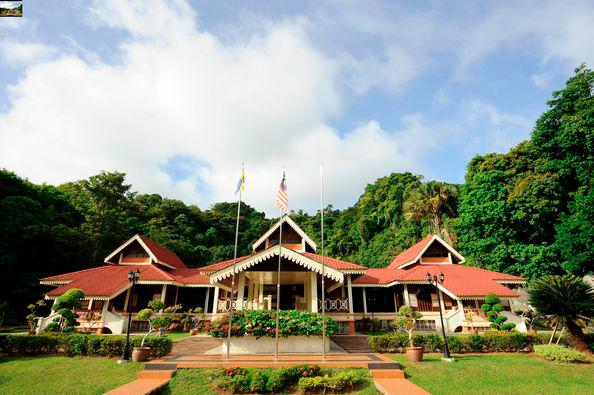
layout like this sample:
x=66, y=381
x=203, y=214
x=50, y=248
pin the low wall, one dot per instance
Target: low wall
x=266, y=345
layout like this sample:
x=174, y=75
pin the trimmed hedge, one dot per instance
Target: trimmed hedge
x=555, y=352
x=262, y=323
x=491, y=341
x=488, y=342
x=78, y=344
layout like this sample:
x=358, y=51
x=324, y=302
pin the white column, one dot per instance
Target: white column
x=460, y=305
x=215, y=300
x=350, y=292
x=405, y=293
x=240, y=291
x=364, y=301
x=206, y=297
x=250, y=295
x=342, y=290
x=176, y=294
x=90, y=306
x=163, y=293
x=314, y=291
x=261, y=294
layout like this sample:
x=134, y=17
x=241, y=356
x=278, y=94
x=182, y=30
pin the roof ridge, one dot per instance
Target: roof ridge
x=77, y=271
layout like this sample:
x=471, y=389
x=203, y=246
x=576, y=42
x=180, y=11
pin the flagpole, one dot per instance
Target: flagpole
x=280, y=243
x=234, y=264
x=323, y=265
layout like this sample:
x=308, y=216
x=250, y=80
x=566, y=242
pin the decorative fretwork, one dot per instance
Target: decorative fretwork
x=224, y=305
x=338, y=304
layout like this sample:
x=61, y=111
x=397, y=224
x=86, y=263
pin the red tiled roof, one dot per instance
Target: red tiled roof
x=190, y=276
x=332, y=262
x=109, y=279
x=221, y=265
x=163, y=254
x=379, y=276
x=463, y=281
x=105, y=280
x=410, y=253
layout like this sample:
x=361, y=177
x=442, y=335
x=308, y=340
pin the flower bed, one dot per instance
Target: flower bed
x=262, y=323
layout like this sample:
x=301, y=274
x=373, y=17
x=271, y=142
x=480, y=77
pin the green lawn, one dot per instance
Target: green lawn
x=63, y=375
x=175, y=336
x=498, y=374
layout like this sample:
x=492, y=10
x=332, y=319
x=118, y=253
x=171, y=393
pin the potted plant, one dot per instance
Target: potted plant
x=469, y=317
x=406, y=319
x=157, y=322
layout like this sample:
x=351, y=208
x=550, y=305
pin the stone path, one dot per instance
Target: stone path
x=354, y=343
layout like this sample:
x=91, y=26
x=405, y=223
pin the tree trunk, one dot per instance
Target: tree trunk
x=554, y=332
x=577, y=337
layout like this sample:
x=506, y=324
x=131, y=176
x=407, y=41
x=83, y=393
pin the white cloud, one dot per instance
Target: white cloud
x=179, y=91
x=15, y=53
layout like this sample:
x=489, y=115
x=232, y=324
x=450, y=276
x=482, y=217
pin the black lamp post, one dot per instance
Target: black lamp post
x=435, y=280
x=133, y=277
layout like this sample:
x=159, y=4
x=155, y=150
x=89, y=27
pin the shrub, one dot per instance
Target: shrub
x=343, y=380
x=405, y=320
x=492, y=308
x=488, y=342
x=258, y=383
x=262, y=323
x=555, y=352
x=78, y=344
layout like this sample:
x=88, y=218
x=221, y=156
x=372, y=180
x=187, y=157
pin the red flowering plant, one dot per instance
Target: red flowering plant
x=262, y=323
x=309, y=370
x=232, y=372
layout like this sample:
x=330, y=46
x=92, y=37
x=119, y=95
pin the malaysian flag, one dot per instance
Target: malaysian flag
x=282, y=199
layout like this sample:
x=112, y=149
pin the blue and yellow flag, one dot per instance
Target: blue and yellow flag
x=241, y=183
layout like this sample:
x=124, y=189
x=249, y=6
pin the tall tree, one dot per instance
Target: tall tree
x=433, y=201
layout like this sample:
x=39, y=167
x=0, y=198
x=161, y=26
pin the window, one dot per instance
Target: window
x=425, y=325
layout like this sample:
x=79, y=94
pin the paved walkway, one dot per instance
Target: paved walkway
x=195, y=345
x=352, y=343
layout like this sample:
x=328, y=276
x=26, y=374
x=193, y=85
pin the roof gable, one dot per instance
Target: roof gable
x=285, y=219
x=225, y=269
x=414, y=253
x=157, y=252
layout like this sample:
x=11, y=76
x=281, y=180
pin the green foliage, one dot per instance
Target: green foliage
x=529, y=211
x=555, y=352
x=567, y=300
x=156, y=305
x=65, y=305
x=262, y=323
x=341, y=381
x=492, y=308
x=78, y=344
x=405, y=320
x=487, y=342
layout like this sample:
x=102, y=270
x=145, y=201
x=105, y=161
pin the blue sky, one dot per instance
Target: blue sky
x=178, y=93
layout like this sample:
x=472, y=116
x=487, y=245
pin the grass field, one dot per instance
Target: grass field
x=498, y=374
x=63, y=375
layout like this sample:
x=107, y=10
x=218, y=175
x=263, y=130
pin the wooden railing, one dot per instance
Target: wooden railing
x=423, y=305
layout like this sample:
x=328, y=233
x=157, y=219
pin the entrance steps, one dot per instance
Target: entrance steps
x=147, y=382
x=352, y=343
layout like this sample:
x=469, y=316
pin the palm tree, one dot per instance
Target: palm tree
x=567, y=300
x=432, y=201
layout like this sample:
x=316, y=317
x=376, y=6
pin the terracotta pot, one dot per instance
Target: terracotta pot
x=414, y=354
x=141, y=354
x=193, y=332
